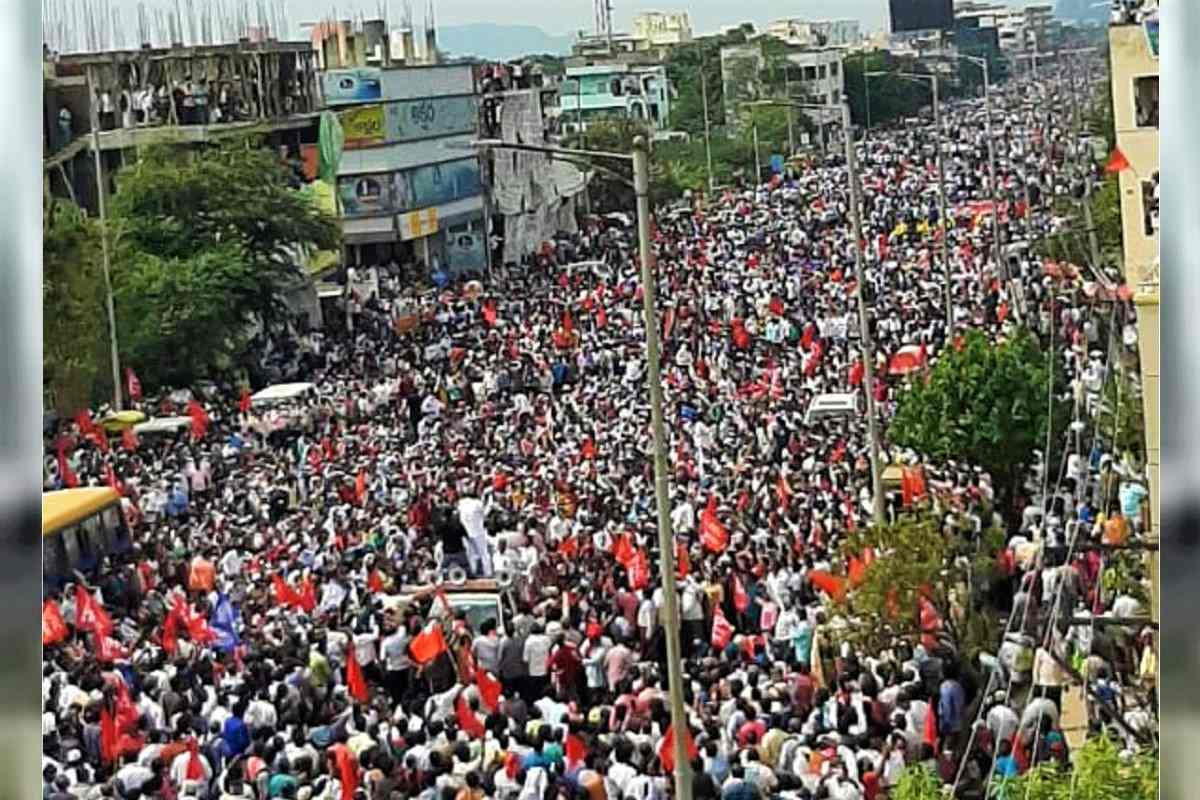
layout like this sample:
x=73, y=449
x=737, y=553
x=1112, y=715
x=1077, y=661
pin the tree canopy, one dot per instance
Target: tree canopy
x=985, y=404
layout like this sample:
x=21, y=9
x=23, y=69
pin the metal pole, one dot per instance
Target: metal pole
x=787, y=90
x=867, y=90
x=666, y=544
x=864, y=329
x=1001, y=266
x=93, y=121
x=587, y=189
x=707, y=143
x=937, y=123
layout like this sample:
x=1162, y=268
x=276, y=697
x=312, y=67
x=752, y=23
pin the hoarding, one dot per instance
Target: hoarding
x=363, y=125
x=422, y=119
x=398, y=192
x=416, y=224
x=346, y=86
x=921, y=15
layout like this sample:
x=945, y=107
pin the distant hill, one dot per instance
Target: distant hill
x=488, y=40
x=1082, y=11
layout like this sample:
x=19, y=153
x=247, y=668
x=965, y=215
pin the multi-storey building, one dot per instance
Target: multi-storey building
x=615, y=90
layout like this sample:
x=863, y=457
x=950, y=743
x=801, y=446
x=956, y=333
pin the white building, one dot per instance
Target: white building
x=662, y=29
x=615, y=90
x=816, y=33
x=821, y=78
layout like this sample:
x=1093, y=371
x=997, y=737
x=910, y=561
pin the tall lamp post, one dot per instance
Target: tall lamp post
x=640, y=159
x=864, y=329
x=941, y=185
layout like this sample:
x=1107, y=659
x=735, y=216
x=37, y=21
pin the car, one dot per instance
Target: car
x=482, y=599
x=837, y=404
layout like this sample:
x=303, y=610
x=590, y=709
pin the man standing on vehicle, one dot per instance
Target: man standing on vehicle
x=471, y=514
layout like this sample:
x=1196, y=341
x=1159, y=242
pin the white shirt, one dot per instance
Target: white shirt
x=536, y=654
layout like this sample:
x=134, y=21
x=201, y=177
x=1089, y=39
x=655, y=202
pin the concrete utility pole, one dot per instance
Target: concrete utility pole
x=640, y=159
x=707, y=141
x=94, y=122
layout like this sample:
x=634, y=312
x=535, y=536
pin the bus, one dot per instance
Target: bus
x=79, y=528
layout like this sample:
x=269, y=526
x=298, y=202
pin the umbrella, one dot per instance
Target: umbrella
x=115, y=423
x=907, y=359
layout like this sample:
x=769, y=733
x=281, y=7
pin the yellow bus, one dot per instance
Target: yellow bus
x=79, y=528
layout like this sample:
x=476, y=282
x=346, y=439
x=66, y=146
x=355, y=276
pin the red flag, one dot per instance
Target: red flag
x=133, y=386
x=99, y=438
x=666, y=750
x=127, y=712
x=568, y=324
x=489, y=688
x=244, y=401
x=69, y=479
x=722, y=631
x=199, y=419
x=806, y=338
x=108, y=649
x=918, y=482
x=489, y=313
x=639, y=570
x=568, y=547
x=588, y=449
x=713, y=535
x=108, y=736
x=54, y=629
x=467, y=720
x=285, y=595
x=129, y=439
x=601, y=316
x=355, y=681
x=622, y=550
x=360, y=488
x=832, y=585
x=347, y=771
x=574, y=751
x=776, y=306
x=668, y=322
x=683, y=563
x=741, y=600
x=308, y=594
x=857, y=571
x=1117, y=162
x=428, y=644
x=374, y=581
x=89, y=614
x=84, y=420
x=170, y=636
x=906, y=487
x=195, y=767
x=741, y=337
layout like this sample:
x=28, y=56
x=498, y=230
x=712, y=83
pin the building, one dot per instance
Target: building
x=741, y=80
x=660, y=29
x=816, y=75
x=408, y=185
x=615, y=90
x=825, y=33
x=172, y=95
x=1133, y=54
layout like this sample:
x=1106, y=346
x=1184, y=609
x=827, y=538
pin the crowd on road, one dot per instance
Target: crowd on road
x=249, y=647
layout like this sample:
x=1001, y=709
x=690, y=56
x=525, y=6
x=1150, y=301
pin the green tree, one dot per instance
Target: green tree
x=208, y=238
x=986, y=404
x=917, y=783
x=1072, y=245
x=918, y=554
x=74, y=320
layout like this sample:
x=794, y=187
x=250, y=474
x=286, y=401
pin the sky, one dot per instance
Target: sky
x=568, y=16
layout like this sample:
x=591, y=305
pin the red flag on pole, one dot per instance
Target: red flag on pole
x=308, y=594
x=347, y=771
x=832, y=585
x=622, y=550
x=355, y=681
x=489, y=688
x=170, y=633
x=683, y=563
x=244, y=401
x=199, y=419
x=108, y=736
x=741, y=600
x=666, y=750
x=428, y=644
x=713, y=535
x=89, y=614
x=133, y=386
x=856, y=373
x=54, y=629
x=84, y=420
x=285, y=595
x=489, y=313
x=1117, y=162
x=722, y=631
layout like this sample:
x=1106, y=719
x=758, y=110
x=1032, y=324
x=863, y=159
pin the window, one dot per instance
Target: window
x=833, y=69
x=1150, y=205
x=1145, y=99
x=810, y=73
x=821, y=72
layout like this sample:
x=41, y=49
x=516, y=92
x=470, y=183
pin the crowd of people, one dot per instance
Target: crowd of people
x=285, y=626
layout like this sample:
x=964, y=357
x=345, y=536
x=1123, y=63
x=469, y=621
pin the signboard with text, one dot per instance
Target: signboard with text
x=346, y=86
x=416, y=224
x=363, y=125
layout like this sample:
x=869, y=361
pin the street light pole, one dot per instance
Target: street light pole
x=707, y=141
x=757, y=163
x=93, y=120
x=864, y=328
x=666, y=540
x=640, y=159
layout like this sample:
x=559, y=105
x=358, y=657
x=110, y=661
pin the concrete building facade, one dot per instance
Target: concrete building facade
x=615, y=90
x=1133, y=51
x=662, y=29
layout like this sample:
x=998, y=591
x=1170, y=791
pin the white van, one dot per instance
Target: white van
x=824, y=406
x=278, y=405
x=481, y=599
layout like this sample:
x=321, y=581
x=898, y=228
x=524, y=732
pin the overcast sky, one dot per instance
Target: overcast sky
x=566, y=16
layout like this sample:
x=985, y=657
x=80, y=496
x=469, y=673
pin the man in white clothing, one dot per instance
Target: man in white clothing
x=471, y=514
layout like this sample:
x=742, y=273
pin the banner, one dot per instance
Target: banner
x=834, y=327
x=428, y=118
x=416, y=224
x=363, y=126
x=365, y=195
x=345, y=86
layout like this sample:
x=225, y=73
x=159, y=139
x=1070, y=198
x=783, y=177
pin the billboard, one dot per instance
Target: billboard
x=363, y=126
x=407, y=190
x=346, y=86
x=408, y=120
x=921, y=15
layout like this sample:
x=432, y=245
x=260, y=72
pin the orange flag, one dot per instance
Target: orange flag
x=857, y=572
x=1117, y=162
x=355, y=681
x=428, y=644
x=832, y=585
x=489, y=688
x=666, y=750
x=467, y=719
